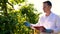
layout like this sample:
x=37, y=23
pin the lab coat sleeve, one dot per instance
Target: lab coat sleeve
x=57, y=29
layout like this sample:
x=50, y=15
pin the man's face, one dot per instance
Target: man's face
x=45, y=7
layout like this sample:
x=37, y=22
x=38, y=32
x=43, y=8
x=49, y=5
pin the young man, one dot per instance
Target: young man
x=49, y=20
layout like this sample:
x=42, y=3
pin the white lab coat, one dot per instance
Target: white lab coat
x=49, y=22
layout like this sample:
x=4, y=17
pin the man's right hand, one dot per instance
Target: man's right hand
x=32, y=27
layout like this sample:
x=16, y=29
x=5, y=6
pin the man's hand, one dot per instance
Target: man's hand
x=32, y=27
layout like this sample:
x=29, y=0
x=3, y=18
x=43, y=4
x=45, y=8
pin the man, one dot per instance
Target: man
x=48, y=21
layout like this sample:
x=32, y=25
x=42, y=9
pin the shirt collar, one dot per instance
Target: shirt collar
x=49, y=15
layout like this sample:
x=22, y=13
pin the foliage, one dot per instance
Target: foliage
x=12, y=21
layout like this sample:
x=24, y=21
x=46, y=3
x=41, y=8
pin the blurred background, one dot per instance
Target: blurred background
x=13, y=13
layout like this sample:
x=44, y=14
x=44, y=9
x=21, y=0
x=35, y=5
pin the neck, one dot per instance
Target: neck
x=48, y=13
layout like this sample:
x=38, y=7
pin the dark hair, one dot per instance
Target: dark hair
x=48, y=2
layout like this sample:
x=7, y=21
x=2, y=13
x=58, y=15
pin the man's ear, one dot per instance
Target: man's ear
x=49, y=7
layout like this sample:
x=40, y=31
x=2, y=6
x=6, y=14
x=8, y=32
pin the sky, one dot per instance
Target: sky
x=38, y=5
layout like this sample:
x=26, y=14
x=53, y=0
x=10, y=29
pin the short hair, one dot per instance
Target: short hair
x=48, y=2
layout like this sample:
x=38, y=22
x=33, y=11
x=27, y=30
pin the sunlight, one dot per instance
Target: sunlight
x=16, y=7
